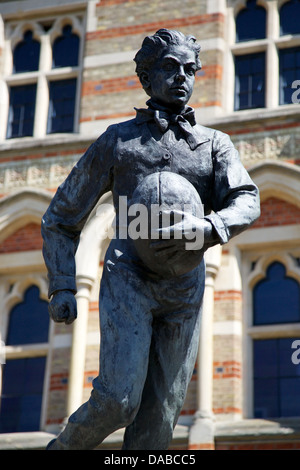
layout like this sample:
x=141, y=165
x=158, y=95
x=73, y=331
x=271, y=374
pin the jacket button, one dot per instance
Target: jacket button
x=167, y=156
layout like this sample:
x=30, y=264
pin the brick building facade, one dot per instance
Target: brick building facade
x=228, y=406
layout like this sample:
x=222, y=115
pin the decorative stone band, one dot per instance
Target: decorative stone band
x=277, y=144
x=39, y=173
x=254, y=147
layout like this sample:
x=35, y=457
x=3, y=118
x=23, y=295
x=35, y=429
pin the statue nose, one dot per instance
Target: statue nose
x=180, y=74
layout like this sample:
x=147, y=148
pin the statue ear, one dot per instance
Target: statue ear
x=144, y=79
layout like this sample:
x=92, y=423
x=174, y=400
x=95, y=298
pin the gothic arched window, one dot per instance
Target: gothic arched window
x=23, y=377
x=276, y=377
x=276, y=299
x=66, y=49
x=26, y=55
x=251, y=22
x=290, y=18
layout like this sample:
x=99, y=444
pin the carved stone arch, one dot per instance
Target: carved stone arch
x=277, y=179
x=17, y=210
x=260, y=271
x=59, y=23
x=281, y=3
x=22, y=27
x=21, y=208
x=238, y=5
x=16, y=293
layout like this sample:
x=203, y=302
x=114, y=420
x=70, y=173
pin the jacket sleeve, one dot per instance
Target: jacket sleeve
x=236, y=203
x=69, y=209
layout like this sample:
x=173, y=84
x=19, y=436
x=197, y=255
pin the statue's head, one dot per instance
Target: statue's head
x=166, y=65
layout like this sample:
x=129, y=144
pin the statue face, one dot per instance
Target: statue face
x=172, y=77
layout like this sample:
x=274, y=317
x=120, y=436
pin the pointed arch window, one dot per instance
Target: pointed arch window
x=66, y=49
x=290, y=17
x=23, y=377
x=29, y=320
x=276, y=299
x=276, y=377
x=251, y=22
x=26, y=55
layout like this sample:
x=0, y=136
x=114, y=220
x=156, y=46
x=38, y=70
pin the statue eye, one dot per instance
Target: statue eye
x=168, y=66
x=190, y=71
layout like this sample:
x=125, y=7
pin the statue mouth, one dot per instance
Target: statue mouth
x=179, y=90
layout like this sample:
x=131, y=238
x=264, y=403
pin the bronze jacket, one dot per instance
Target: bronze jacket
x=118, y=161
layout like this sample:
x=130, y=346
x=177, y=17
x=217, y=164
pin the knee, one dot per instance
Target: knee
x=125, y=409
x=120, y=407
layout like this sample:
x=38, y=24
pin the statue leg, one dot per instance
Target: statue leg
x=126, y=330
x=172, y=359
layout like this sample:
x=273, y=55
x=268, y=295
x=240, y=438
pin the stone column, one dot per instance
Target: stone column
x=272, y=65
x=79, y=340
x=202, y=431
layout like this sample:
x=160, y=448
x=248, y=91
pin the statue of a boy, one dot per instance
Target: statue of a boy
x=149, y=322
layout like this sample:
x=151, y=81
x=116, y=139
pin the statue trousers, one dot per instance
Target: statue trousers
x=149, y=343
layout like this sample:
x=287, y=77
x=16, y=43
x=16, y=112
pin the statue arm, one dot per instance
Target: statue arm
x=69, y=209
x=236, y=202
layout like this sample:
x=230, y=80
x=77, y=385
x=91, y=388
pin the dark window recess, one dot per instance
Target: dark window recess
x=251, y=22
x=23, y=379
x=250, y=81
x=289, y=70
x=29, y=320
x=21, y=397
x=66, y=49
x=290, y=18
x=62, y=106
x=276, y=379
x=276, y=299
x=21, y=111
x=26, y=54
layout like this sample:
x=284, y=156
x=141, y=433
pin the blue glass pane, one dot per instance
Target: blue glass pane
x=289, y=18
x=66, y=49
x=21, y=111
x=27, y=54
x=251, y=22
x=276, y=299
x=289, y=67
x=286, y=366
x=29, y=320
x=276, y=378
x=250, y=81
x=62, y=106
x=21, y=397
x=258, y=63
x=289, y=396
x=265, y=358
x=265, y=398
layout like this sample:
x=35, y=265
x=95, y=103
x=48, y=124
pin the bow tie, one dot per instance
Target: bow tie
x=163, y=119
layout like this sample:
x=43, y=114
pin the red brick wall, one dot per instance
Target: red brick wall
x=275, y=211
x=24, y=239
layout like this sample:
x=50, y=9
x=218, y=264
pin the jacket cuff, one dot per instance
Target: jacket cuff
x=61, y=283
x=219, y=227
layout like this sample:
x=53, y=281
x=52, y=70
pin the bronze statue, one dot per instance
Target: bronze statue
x=150, y=317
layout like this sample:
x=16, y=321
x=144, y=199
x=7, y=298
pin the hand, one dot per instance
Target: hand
x=63, y=307
x=188, y=233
